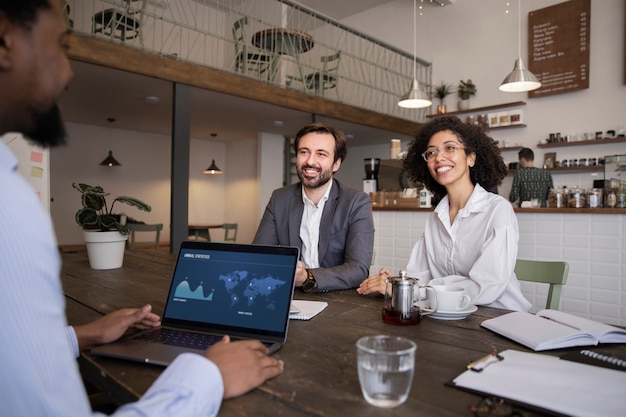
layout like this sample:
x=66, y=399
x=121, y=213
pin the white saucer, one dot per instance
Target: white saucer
x=450, y=315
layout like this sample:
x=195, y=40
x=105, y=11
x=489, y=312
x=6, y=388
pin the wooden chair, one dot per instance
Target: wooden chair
x=142, y=227
x=230, y=232
x=327, y=77
x=248, y=57
x=123, y=24
x=553, y=273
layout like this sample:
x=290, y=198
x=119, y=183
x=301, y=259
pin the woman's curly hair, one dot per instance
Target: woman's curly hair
x=488, y=170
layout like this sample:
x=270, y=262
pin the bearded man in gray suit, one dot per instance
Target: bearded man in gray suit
x=330, y=223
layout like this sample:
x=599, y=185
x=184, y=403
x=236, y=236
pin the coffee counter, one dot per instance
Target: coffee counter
x=592, y=241
x=517, y=210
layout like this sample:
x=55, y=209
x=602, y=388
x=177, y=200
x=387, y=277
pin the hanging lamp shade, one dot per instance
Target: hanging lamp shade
x=415, y=98
x=213, y=169
x=110, y=161
x=520, y=79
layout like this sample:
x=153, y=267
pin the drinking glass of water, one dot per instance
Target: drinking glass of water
x=386, y=365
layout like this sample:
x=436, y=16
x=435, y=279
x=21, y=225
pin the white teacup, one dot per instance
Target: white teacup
x=447, y=298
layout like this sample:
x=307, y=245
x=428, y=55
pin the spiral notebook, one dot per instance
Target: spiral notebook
x=591, y=357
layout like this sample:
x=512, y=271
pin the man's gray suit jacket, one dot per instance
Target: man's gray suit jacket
x=346, y=240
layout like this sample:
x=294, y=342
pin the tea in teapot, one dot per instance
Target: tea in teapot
x=400, y=308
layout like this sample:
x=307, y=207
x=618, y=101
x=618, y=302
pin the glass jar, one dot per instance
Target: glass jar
x=557, y=198
x=594, y=198
x=611, y=197
x=576, y=198
x=621, y=197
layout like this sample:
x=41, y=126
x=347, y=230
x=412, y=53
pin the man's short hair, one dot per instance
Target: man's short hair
x=23, y=12
x=341, y=145
x=527, y=154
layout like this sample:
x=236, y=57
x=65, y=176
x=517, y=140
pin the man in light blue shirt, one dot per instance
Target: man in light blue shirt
x=38, y=370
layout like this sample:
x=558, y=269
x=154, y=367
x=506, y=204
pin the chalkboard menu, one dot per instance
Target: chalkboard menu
x=558, y=45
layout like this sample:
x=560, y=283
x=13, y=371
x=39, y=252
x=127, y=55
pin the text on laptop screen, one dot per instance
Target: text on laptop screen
x=231, y=289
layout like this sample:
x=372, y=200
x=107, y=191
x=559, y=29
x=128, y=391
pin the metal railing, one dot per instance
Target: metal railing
x=290, y=41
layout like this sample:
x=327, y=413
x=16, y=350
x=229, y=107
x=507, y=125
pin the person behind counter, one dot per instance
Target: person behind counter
x=530, y=182
x=470, y=239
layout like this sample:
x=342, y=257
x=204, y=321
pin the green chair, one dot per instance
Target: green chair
x=247, y=57
x=65, y=8
x=553, y=273
x=142, y=227
x=230, y=232
x=325, y=78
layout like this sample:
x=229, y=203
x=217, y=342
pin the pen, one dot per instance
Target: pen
x=560, y=322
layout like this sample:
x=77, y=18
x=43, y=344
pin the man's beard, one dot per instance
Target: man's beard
x=48, y=128
x=323, y=178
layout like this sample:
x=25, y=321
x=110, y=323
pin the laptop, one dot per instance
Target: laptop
x=217, y=289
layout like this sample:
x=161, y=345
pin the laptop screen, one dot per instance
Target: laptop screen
x=233, y=288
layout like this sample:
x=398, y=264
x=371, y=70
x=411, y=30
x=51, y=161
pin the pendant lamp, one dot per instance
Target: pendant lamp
x=415, y=98
x=212, y=169
x=520, y=79
x=110, y=161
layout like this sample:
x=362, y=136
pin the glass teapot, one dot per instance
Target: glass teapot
x=400, y=305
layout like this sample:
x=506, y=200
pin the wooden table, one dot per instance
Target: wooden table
x=284, y=41
x=202, y=230
x=320, y=377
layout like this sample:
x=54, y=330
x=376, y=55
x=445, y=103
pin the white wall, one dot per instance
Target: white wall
x=242, y=188
x=270, y=167
x=144, y=174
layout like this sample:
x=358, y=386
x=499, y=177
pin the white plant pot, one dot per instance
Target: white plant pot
x=105, y=249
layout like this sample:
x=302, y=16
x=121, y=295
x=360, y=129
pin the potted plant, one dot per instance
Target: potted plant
x=442, y=90
x=105, y=233
x=466, y=90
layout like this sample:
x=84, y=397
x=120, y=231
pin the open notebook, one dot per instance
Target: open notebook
x=244, y=291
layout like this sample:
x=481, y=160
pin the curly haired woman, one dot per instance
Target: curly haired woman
x=470, y=240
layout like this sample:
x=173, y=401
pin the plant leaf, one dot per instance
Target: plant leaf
x=86, y=216
x=93, y=201
x=134, y=203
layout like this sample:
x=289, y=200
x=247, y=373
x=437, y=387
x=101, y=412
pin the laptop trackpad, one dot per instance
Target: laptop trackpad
x=142, y=351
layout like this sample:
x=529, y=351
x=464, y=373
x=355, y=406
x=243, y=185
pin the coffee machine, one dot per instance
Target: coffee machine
x=370, y=183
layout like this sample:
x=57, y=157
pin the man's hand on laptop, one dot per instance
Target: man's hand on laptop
x=244, y=365
x=112, y=326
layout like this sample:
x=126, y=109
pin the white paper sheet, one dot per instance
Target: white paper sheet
x=305, y=309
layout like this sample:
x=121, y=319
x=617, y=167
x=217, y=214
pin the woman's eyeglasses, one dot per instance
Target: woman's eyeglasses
x=448, y=151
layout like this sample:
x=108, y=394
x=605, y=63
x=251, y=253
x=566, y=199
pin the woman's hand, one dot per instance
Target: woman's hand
x=375, y=283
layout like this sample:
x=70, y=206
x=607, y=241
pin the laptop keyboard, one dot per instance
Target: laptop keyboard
x=185, y=339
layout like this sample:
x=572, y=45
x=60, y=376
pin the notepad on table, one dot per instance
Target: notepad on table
x=305, y=309
x=553, y=329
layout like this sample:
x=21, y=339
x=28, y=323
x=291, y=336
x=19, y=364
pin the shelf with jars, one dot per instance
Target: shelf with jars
x=567, y=170
x=619, y=139
x=503, y=120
